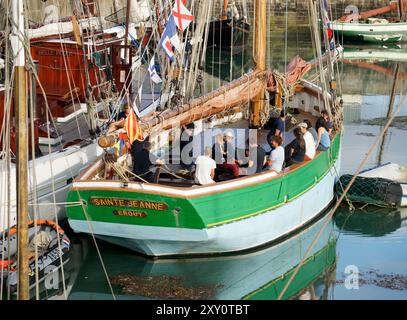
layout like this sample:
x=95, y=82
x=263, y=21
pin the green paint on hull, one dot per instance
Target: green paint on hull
x=310, y=271
x=366, y=36
x=211, y=210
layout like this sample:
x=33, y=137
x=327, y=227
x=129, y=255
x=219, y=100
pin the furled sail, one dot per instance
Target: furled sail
x=226, y=97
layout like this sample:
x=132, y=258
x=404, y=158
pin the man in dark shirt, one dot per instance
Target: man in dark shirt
x=142, y=161
x=218, y=153
x=187, y=136
x=277, y=128
x=124, y=113
x=257, y=158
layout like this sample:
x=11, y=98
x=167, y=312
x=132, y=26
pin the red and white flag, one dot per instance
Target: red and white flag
x=182, y=16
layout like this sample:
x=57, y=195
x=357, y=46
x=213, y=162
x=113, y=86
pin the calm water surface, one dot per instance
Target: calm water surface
x=370, y=241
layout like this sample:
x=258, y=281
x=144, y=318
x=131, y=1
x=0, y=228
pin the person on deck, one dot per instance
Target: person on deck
x=295, y=151
x=310, y=147
x=257, y=159
x=275, y=162
x=205, y=168
x=277, y=127
x=324, y=140
x=323, y=121
x=187, y=137
x=223, y=152
x=143, y=160
x=230, y=155
x=311, y=130
x=124, y=113
x=120, y=119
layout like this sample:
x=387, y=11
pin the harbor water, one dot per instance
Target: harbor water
x=359, y=255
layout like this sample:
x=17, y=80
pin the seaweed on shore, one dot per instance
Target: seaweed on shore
x=398, y=122
x=388, y=281
x=163, y=287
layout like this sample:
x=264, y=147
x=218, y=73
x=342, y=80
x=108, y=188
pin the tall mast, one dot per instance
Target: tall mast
x=126, y=34
x=20, y=106
x=225, y=9
x=260, y=48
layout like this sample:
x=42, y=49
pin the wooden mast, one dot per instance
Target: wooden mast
x=260, y=49
x=20, y=106
x=401, y=9
x=225, y=10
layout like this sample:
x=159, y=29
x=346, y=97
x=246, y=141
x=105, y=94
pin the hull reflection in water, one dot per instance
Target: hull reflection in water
x=258, y=275
x=372, y=221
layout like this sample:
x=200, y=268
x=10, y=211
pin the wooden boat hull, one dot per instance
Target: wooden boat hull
x=227, y=35
x=365, y=31
x=375, y=54
x=161, y=221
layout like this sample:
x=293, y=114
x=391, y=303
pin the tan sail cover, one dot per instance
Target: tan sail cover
x=226, y=97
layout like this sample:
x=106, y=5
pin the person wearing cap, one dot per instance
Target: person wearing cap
x=310, y=148
x=229, y=147
x=229, y=155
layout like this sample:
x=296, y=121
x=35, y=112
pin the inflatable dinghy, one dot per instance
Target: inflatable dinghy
x=385, y=186
x=53, y=251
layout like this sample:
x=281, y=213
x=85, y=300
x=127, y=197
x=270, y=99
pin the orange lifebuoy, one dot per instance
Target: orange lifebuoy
x=31, y=223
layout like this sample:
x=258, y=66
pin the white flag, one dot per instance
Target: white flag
x=153, y=72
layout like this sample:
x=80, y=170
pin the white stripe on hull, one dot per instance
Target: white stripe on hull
x=232, y=237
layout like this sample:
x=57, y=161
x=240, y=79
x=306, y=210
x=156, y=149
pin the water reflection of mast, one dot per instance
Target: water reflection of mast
x=389, y=112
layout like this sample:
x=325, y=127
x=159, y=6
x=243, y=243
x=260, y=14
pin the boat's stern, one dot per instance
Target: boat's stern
x=133, y=215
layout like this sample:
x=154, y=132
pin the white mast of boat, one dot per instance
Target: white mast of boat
x=20, y=103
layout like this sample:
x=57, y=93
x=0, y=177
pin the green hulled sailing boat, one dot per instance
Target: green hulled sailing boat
x=172, y=215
